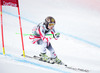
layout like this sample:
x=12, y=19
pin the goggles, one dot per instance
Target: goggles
x=51, y=24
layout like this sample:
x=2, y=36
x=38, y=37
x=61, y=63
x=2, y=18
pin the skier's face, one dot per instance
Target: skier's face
x=50, y=26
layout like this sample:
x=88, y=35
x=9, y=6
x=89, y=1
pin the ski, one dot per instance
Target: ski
x=66, y=66
x=63, y=64
x=77, y=69
x=39, y=59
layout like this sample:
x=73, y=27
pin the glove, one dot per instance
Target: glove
x=56, y=35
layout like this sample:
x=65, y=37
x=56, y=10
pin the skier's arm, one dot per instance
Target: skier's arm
x=55, y=35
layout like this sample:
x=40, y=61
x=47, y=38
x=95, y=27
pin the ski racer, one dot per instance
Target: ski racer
x=40, y=38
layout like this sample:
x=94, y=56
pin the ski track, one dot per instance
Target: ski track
x=33, y=63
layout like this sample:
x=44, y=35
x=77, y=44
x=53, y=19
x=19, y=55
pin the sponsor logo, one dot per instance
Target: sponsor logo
x=9, y=4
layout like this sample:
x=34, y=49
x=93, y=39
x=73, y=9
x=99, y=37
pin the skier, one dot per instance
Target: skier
x=40, y=32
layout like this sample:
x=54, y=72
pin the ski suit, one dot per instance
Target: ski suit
x=40, y=32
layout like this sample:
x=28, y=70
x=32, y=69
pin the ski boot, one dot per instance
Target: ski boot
x=56, y=60
x=44, y=57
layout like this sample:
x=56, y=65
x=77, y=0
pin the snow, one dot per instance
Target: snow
x=78, y=45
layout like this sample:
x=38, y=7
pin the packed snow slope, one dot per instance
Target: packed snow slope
x=78, y=45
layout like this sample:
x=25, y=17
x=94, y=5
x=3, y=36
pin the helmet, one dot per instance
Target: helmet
x=49, y=20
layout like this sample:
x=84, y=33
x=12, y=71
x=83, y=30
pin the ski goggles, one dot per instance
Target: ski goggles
x=51, y=24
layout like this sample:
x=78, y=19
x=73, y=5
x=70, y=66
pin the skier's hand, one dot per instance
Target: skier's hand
x=56, y=35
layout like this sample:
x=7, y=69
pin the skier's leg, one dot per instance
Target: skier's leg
x=43, y=55
x=39, y=42
x=43, y=48
x=53, y=55
x=52, y=51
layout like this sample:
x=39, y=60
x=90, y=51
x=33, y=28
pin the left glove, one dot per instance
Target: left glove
x=56, y=35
